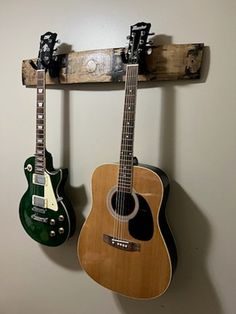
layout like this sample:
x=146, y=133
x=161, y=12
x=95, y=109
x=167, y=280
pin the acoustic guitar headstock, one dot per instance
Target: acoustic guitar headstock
x=137, y=42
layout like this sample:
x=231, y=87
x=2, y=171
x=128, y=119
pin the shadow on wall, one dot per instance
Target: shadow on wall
x=191, y=290
x=65, y=255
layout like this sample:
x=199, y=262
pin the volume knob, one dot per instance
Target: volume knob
x=52, y=233
x=52, y=222
x=61, y=230
x=61, y=218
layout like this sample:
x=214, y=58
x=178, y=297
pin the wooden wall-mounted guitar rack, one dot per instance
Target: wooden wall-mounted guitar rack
x=165, y=63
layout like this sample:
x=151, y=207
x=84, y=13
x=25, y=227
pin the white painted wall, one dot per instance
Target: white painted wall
x=186, y=129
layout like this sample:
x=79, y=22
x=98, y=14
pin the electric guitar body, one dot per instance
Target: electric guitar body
x=45, y=212
x=128, y=255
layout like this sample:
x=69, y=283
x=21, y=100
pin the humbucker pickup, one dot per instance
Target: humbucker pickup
x=39, y=201
x=121, y=244
x=39, y=179
x=39, y=210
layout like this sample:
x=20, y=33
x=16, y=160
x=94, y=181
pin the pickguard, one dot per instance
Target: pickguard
x=49, y=193
x=141, y=227
x=48, y=200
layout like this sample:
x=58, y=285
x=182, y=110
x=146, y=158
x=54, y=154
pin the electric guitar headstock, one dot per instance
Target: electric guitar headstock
x=46, y=49
x=138, y=43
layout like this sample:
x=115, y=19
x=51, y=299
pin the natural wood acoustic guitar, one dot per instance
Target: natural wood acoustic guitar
x=125, y=244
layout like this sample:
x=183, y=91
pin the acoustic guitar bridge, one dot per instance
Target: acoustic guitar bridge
x=121, y=244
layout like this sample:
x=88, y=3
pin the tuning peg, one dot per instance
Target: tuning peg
x=149, y=51
x=58, y=41
x=150, y=42
x=128, y=37
x=151, y=34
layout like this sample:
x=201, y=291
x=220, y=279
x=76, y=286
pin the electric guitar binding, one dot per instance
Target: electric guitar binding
x=45, y=212
x=125, y=244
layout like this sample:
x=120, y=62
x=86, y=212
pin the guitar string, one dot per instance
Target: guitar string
x=36, y=128
x=36, y=149
x=40, y=111
x=119, y=194
x=126, y=150
x=127, y=162
x=127, y=158
x=130, y=117
x=128, y=154
x=44, y=129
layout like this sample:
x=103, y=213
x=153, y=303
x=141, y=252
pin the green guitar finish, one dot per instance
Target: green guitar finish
x=55, y=226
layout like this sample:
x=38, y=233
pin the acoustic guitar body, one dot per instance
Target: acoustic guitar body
x=131, y=252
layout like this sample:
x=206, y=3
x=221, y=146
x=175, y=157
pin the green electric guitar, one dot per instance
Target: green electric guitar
x=45, y=212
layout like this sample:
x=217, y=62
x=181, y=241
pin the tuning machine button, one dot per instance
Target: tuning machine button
x=61, y=218
x=149, y=51
x=52, y=233
x=61, y=230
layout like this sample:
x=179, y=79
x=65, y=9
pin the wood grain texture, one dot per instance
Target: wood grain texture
x=165, y=63
x=140, y=274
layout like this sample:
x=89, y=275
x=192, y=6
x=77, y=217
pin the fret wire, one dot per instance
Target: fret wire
x=125, y=185
x=126, y=168
x=124, y=189
x=124, y=179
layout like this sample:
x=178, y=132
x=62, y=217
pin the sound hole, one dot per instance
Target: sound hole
x=123, y=203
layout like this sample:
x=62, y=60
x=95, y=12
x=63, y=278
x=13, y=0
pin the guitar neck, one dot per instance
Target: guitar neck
x=40, y=124
x=125, y=178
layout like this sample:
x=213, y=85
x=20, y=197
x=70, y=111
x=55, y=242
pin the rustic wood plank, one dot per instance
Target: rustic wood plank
x=165, y=63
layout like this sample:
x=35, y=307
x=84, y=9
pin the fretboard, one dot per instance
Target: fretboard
x=40, y=124
x=125, y=178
